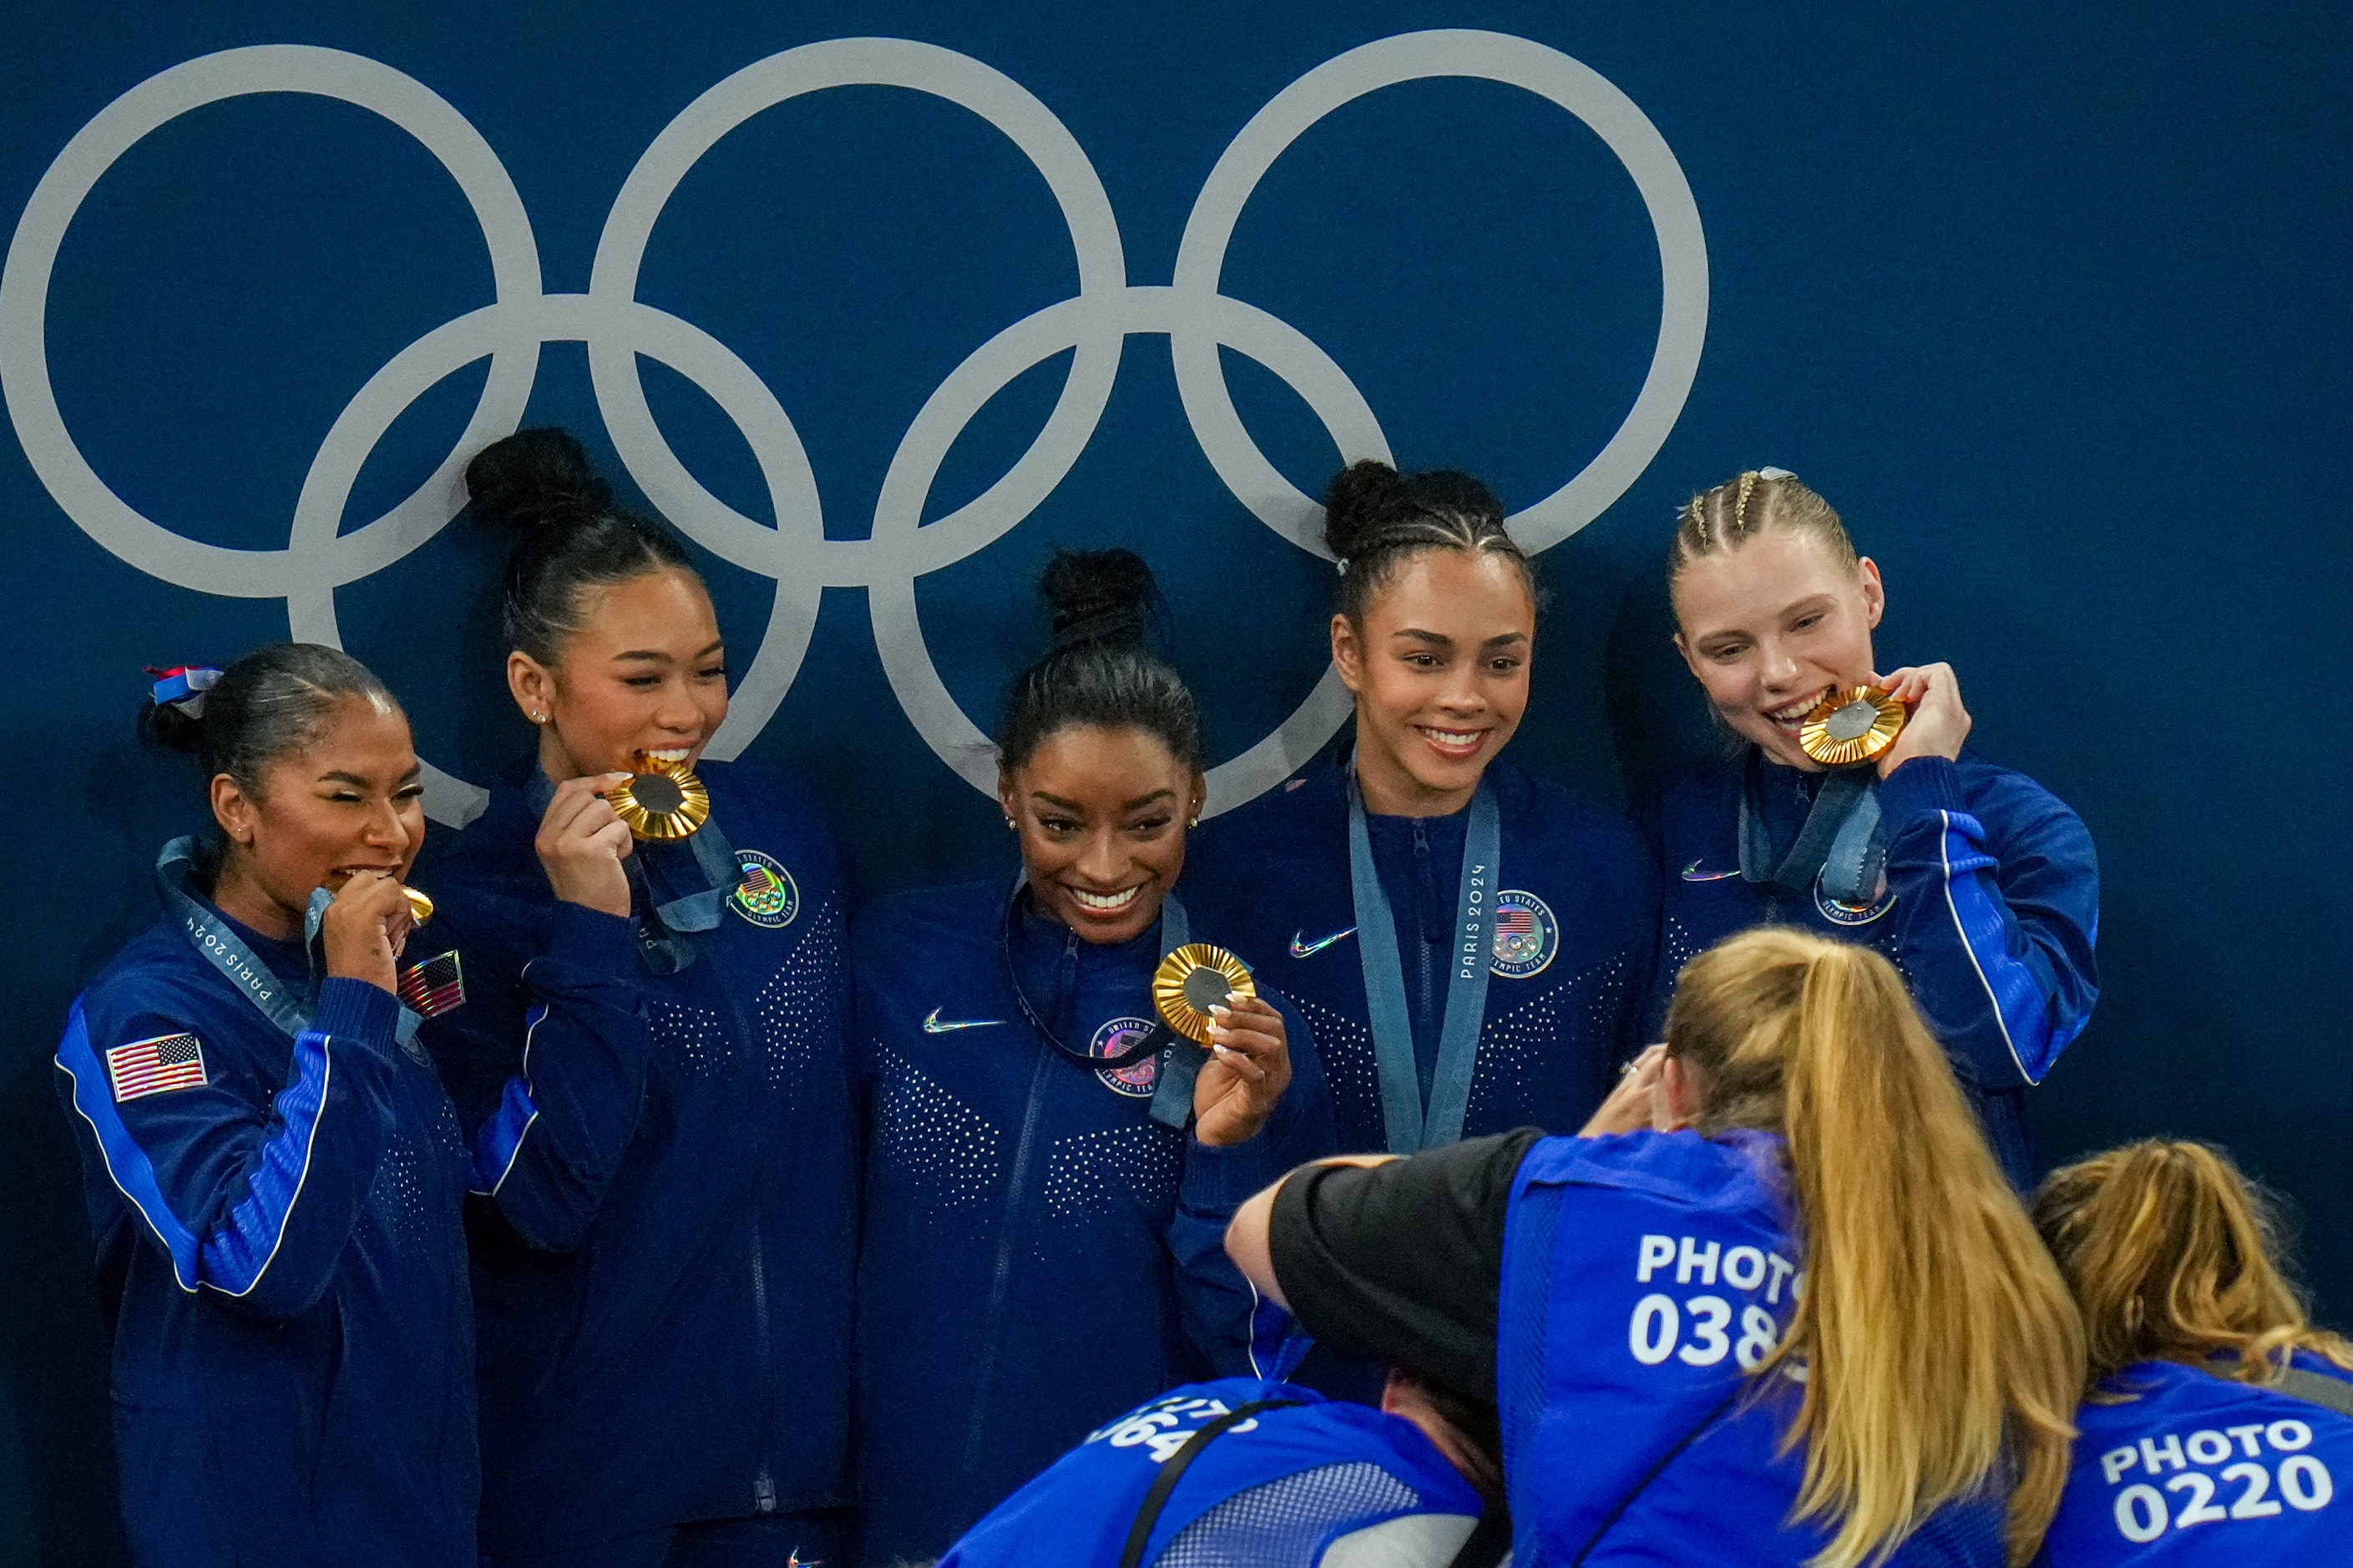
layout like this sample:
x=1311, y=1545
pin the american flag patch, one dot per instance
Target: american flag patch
x=1513, y=920
x=434, y=986
x=154, y=1066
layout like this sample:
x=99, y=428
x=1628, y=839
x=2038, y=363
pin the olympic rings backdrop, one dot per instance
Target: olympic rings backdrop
x=880, y=303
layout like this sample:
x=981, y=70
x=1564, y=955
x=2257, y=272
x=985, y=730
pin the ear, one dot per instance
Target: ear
x=1348, y=654
x=1875, y=591
x=1676, y=1100
x=1200, y=793
x=532, y=686
x=234, y=810
x=1007, y=796
x=1684, y=649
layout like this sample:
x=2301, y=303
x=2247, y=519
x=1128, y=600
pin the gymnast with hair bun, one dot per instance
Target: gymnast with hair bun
x=274, y=1174
x=1470, y=943
x=656, y=1081
x=1845, y=802
x=1050, y=1167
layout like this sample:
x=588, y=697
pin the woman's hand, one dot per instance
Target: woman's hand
x=1938, y=723
x=582, y=844
x=1247, y=1069
x=365, y=927
x=1631, y=1106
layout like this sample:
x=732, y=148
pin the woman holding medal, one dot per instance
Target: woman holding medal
x=1849, y=806
x=1468, y=943
x=275, y=1177
x=655, y=1077
x=1042, y=1231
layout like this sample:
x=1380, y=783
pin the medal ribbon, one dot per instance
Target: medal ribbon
x=1181, y=1065
x=1841, y=840
x=697, y=910
x=1409, y=1128
x=210, y=934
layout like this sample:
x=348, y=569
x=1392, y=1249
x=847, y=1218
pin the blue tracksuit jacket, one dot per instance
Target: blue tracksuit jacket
x=1038, y=1251
x=1309, y=1483
x=1991, y=910
x=1274, y=874
x=2176, y=1468
x=280, y=1251
x=664, y=1237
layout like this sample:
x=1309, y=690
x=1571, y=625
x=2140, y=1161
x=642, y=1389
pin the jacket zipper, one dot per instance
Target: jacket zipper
x=764, y=1485
x=985, y=1368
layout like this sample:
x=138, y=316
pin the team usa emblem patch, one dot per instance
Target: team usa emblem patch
x=1844, y=914
x=1137, y=1078
x=766, y=896
x=435, y=986
x=1526, y=936
x=155, y=1067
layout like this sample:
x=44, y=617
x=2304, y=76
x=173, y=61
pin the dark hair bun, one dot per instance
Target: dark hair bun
x=170, y=729
x=1356, y=502
x=534, y=479
x=1099, y=595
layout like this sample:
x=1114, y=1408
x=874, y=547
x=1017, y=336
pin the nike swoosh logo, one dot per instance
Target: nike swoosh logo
x=935, y=1025
x=1692, y=873
x=1310, y=949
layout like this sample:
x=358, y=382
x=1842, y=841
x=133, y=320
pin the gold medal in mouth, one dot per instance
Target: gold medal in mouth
x=420, y=908
x=663, y=802
x=1194, y=979
x=1849, y=725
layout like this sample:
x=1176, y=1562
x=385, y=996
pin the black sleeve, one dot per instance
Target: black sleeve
x=1404, y=1262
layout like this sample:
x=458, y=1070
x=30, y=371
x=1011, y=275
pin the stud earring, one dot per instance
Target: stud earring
x=539, y=718
x=1011, y=826
x=1196, y=822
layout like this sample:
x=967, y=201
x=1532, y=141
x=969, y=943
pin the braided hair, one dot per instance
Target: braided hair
x=1743, y=506
x=1098, y=669
x=1375, y=520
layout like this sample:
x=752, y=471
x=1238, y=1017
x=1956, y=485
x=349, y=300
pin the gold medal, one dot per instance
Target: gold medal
x=1851, y=725
x=664, y=801
x=1194, y=979
x=420, y=908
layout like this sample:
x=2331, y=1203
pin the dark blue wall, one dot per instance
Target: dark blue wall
x=2052, y=302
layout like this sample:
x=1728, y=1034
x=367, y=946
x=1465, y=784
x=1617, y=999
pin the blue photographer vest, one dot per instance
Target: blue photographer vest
x=1280, y=1485
x=1645, y=1276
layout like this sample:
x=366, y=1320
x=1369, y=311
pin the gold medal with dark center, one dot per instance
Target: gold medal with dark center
x=662, y=801
x=1851, y=725
x=1194, y=979
x=420, y=908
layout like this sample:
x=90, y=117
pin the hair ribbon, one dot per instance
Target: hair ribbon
x=184, y=686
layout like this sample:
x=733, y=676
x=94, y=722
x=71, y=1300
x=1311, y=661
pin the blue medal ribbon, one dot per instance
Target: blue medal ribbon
x=1409, y=1128
x=1840, y=842
x=678, y=906
x=1180, y=1059
x=211, y=934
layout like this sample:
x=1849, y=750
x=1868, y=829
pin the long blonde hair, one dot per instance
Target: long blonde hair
x=1942, y=1352
x=2174, y=1254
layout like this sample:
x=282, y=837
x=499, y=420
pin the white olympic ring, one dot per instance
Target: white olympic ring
x=1093, y=325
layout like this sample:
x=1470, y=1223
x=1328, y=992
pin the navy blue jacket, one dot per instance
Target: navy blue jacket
x=1308, y=1483
x=1038, y=1251
x=280, y=1252
x=1991, y=910
x=1274, y=875
x=663, y=1244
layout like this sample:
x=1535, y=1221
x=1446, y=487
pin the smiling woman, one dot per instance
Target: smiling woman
x=1978, y=883
x=274, y=1176
x=1040, y=1151
x=1469, y=943
x=655, y=1083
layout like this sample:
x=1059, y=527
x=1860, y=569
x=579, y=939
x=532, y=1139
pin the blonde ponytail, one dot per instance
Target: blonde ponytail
x=2174, y=1254
x=1942, y=1352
